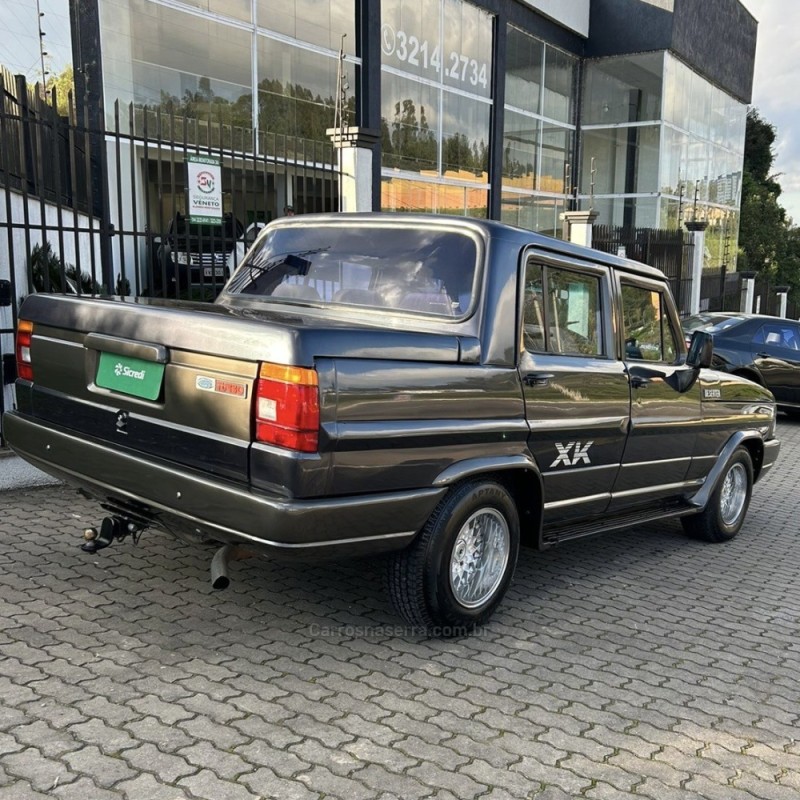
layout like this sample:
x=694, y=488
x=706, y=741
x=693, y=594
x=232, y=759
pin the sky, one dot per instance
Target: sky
x=776, y=93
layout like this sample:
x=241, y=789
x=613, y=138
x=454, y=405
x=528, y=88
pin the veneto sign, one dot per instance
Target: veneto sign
x=204, y=180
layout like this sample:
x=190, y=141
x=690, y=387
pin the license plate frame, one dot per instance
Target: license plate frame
x=134, y=377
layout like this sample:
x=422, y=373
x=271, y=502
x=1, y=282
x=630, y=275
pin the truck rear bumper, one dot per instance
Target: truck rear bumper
x=205, y=507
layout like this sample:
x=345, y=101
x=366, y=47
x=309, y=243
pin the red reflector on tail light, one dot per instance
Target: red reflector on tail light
x=24, y=335
x=286, y=407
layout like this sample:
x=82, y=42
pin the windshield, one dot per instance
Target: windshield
x=409, y=270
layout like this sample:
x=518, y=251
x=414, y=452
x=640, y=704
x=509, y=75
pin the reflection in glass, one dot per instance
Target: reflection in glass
x=524, y=56
x=426, y=127
x=520, y=150
x=555, y=154
x=467, y=51
x=296, y=89
x=626, y=159
x=623, y=89
x=533, y=212
x=409, y=124
x=559, y=84
x=319, y=22
x=411, y=38
x=170, y=71
x=400, y=194
x=465, y=141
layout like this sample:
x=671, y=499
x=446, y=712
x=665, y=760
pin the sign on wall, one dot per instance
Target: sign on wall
x=204, y=179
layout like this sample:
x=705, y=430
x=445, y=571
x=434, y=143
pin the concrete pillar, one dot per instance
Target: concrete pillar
x=354, y=146
x=748, y=291
x=783, y=299
x=697, y=229
x=578, y=226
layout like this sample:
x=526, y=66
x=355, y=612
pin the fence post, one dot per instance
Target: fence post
x=579, y=225
x=697, y=230
x=747, y=291
x=783, y=298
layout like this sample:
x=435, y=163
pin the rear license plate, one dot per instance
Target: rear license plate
x=131, y=376
x=219, y=272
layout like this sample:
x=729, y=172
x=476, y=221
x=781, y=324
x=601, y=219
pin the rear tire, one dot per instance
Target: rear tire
x=722, y=518
x=456, y=571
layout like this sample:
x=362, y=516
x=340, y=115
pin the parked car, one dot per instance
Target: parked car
x=439, y=389
x=192, y=259
x=761, y=348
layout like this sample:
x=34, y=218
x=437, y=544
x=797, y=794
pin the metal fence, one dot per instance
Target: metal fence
x=87, y=209
x=668, y=250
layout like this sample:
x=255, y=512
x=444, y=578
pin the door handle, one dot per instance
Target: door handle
x=537, y=378
x=638, y=382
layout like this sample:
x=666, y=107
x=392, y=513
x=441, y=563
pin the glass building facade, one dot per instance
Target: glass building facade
x=661, y=145
x=480, y=114
x=436, y=106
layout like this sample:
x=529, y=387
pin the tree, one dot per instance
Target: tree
x=763, y=227
x=64, y=84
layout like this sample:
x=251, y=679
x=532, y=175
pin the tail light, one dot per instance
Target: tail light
x=24, y=335
x=286, y=407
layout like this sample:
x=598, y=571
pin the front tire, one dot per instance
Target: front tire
x=455, y=573
x=724, y=515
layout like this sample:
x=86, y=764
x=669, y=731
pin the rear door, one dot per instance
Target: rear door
x=577, y=398
x=776, y=353
x=664, y=421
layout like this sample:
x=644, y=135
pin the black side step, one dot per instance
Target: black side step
x=555, y=534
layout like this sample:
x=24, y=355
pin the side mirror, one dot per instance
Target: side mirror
x=701, y=349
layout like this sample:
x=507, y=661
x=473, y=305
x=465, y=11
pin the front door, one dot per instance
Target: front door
x=576, y=391
x=665, y=420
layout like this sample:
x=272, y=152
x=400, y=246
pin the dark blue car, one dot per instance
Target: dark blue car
x=764, y=349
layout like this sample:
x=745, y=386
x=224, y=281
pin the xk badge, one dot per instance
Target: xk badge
x=571, y=453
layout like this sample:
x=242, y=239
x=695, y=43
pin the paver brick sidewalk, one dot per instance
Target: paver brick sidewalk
x=641, y=664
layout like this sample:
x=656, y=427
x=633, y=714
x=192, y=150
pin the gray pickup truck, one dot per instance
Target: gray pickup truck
x=439, y=389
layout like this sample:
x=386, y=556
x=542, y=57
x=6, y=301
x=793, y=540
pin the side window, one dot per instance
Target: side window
x=779, y=335
x=648, y=334
x=562, y=311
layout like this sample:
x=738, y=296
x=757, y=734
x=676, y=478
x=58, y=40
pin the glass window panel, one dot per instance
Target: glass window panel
x=559, y=85
x=409, y=124
x=626, y=160
x=524, y=56
x=399, y=194
x=320, y=22
x=411, y=37
x=296, y=89
x=556, y=146
x=520, y=150
x=465, y=138
x=533, y=212
x=239, y=9
x=189, y=44
x=561, y=312
x=467, y=51
x=647, y=332
x=623, y=89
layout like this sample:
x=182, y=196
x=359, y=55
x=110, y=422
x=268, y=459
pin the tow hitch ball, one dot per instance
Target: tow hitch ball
x=111, y=528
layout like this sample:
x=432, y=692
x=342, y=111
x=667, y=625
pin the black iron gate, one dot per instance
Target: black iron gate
x=86, y=210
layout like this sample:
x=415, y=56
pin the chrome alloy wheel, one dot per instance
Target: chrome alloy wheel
x=733, y=495
x=479, y=557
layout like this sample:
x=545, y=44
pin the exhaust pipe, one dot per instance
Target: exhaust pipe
x=219, y=567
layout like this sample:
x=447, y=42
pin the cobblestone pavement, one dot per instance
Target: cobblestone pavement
x=638, y=664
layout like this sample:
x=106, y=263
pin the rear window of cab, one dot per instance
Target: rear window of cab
x=400, y=269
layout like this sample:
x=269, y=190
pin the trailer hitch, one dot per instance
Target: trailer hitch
x=111, y=528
